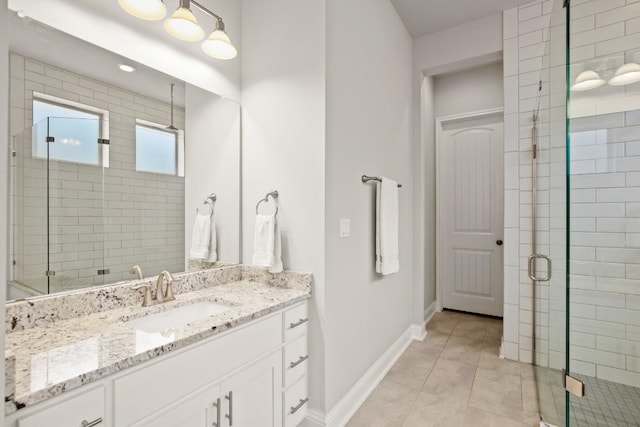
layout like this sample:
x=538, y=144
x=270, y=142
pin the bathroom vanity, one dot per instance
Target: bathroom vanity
x=245, y=366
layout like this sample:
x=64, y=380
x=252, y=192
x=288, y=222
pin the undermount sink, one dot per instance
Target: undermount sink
x=177, y=317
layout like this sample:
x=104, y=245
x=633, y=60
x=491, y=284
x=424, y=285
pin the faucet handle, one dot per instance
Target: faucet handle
x=147, y=299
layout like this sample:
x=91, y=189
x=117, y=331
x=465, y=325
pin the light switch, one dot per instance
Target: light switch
x=345, y=227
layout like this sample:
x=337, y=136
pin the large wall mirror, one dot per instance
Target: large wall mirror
x=112, y=162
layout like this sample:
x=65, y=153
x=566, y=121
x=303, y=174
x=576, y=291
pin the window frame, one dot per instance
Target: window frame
x=103, y=124
x=179, y=146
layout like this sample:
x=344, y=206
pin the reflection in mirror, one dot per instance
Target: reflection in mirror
x=109, y=167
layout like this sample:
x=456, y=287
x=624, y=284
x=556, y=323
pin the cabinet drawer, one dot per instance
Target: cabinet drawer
x=88, y=407
x=295, y=358
x=295, y=322
x=295, y=403
x=179, y=375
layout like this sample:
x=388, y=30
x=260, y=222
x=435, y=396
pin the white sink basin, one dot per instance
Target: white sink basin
x=177, y=317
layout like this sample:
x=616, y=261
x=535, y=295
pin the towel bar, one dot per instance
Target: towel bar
x=366, y=179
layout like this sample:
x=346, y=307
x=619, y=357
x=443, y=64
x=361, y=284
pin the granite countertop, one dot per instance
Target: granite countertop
x=65, y=354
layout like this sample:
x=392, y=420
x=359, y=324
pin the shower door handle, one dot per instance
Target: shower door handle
x=532, y=273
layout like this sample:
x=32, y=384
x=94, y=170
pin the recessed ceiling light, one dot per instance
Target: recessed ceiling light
x=127, y=68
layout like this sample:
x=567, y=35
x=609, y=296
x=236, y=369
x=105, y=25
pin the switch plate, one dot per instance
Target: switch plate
x=345, y=227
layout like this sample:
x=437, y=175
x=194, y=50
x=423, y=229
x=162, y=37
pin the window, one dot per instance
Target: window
x=75, y=128
x=159, y=150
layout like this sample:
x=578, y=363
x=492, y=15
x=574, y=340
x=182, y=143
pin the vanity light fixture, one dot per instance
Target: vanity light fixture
x=626, y=74
x=218, y=44
x=587, y=80
x=127, y=68
x=183, y=24
x=149, y=10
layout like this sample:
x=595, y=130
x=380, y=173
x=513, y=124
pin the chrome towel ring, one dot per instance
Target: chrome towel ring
x=274, y=195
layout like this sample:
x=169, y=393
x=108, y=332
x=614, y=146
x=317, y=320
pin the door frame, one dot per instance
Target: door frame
x=440, y=123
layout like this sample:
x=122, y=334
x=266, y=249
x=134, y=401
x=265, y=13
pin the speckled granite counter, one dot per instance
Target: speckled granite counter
x=53, y=350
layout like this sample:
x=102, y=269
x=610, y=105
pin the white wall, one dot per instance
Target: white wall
x=4, y=172
x=124, y=35
x=470, y=90
x=212, y=165
x=464, y=46
x=368, y=132
x=283, y=137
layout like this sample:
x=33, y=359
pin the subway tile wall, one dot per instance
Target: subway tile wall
x=99, y=217
x=605, y=191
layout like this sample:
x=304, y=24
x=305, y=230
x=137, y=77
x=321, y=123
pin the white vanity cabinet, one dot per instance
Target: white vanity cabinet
x=254, y=375
x=247, y=398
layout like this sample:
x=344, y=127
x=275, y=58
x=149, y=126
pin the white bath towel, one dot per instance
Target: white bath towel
x=213, y=242
x=264, y=241
x=201, y=237
x=277, y=266
x=387, y=227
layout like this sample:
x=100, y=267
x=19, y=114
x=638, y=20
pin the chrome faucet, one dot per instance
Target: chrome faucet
x=161, y=295
x=137, y=271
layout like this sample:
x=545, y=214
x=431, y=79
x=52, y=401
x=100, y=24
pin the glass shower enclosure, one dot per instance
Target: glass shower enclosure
x=585, y=205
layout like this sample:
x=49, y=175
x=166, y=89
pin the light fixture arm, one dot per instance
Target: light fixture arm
x=203, y=9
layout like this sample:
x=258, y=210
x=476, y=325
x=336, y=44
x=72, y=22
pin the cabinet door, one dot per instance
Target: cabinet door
x=198, y=410
x=85, y=408
x=252, y=397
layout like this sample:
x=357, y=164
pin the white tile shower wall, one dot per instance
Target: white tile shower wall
x=604, y=196
x=141, y=218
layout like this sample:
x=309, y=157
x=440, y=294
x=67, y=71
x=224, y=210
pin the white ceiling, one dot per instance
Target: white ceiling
x=429, y=16
x=35, y=40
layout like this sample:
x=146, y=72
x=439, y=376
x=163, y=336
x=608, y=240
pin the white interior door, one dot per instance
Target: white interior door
x=470, y=220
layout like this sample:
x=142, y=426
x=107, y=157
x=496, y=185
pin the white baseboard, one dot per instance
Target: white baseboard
x=430, y=311
x=314, y=419
x=342, y=412
x=419, y=332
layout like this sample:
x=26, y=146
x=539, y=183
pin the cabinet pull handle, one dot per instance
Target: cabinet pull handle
x=298, y=323
x=299, y=361
x=296, y=408
x=218, y=406
x=229, y=397
x=93, y=423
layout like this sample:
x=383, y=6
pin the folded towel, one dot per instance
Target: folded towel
x=201, y=237
x=264, y=241
x=277, y=249
x=387, y=227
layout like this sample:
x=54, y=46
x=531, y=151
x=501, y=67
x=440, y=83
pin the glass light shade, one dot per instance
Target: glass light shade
x=184, y=26
x=587, y=80
x=627, y=74
x=219, y=46
x=149, y=10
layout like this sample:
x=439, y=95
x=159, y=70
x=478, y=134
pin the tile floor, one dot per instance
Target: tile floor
x=454, y=378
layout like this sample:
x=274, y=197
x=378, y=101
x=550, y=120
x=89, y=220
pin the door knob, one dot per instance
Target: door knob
x=499, y=242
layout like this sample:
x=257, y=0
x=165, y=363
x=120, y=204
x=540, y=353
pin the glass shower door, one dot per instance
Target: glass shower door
x=603, y=307
x=543, y=236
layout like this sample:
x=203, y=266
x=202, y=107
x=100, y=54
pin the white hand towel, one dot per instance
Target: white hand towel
x=264, y=240
x=387, y=261
x=213, y=242
x=277, y=266
x=201, y=237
